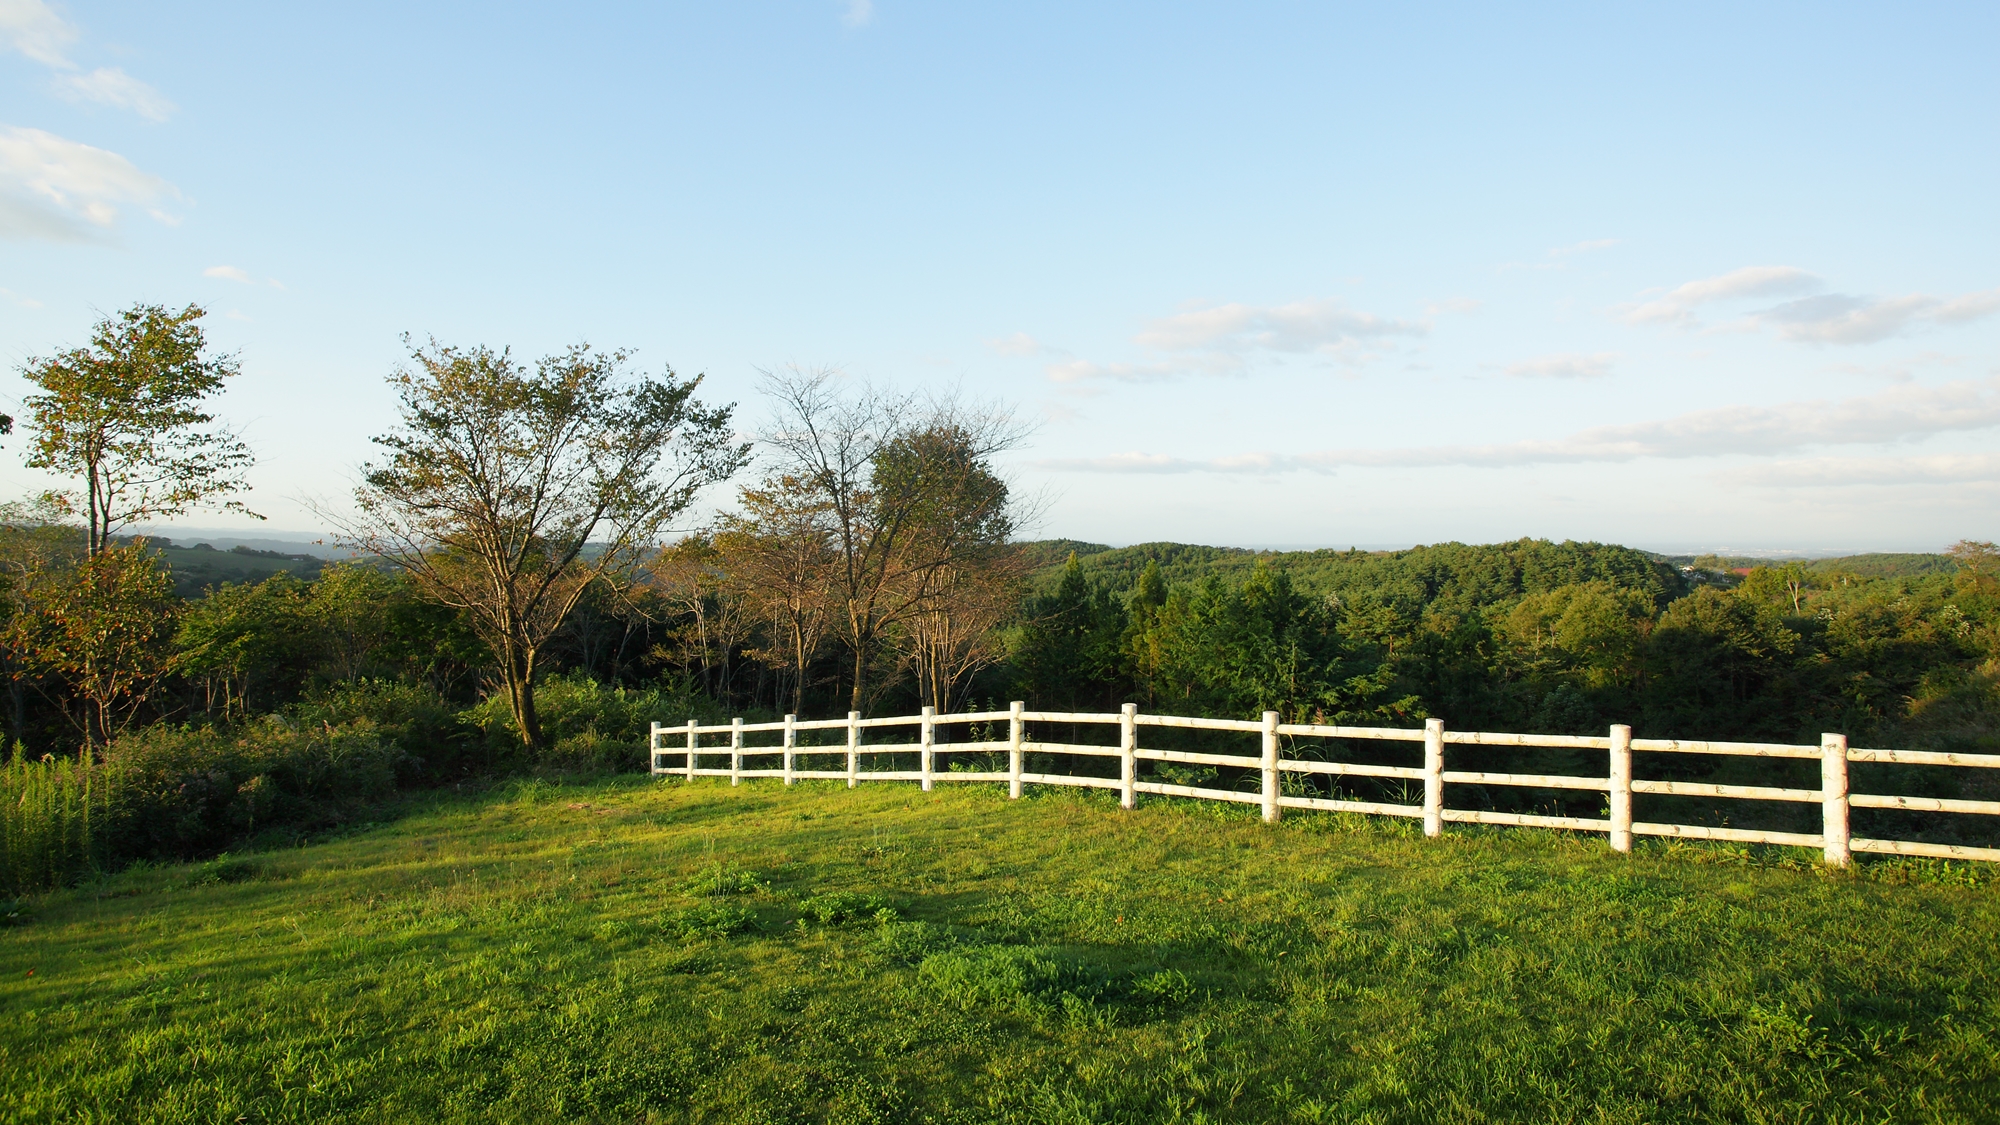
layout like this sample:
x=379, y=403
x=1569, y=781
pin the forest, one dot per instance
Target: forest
x=532, y=579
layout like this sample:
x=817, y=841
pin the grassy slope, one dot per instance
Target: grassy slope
x=517, y=956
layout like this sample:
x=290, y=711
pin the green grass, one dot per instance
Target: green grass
x=656, y=951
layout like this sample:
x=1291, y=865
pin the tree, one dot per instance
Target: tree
x=1978, y=563
x=506, y=492
x=690, y=579
x=778, y=555
x=126, y=414
x=106, y=627
x=243, y=632
x=909, y=491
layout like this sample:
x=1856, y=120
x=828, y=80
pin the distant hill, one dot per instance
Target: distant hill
x=198, y=566
x=1454, y=575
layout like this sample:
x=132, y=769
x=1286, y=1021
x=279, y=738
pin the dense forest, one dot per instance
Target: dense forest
x=524, y=594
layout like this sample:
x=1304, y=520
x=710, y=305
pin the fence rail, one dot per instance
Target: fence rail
x=1270, y=763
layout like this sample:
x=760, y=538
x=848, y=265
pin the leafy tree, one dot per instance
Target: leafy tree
x=498, y=478
x=244, y=632
x=104, y=627
x=127, y=415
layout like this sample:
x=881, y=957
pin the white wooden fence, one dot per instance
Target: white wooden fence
x=1832, y=753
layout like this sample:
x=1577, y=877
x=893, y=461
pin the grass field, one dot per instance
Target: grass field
x=631, y=950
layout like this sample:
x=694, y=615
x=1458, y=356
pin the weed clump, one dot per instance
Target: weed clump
x=718, y=879
x=833, y=908
x=709, y=919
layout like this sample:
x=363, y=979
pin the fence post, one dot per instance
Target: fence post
x=1128, y=762
x=1014, y=750
x=653, y=750
x=736, y=750
x=1433, y=777
x=929, y=740
x=694, y=736
x=791, y=741
x=1621, y=788
x=853, y=749
x=1833, y=798
x=1270, y=767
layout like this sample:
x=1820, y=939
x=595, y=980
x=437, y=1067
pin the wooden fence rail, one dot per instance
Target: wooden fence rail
x=1270, y=763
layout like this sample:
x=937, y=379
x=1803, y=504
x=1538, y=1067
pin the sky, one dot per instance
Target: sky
x=1685, y=277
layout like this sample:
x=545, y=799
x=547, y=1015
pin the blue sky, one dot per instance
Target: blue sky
x=1681, y=277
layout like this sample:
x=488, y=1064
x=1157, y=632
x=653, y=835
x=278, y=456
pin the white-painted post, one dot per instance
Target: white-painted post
x=1833, y=798
x=1270, y=767
x=1621, y=788
x=791, y=741
x=853, y=749
x=653, y=750
x=736, y=750
x=929, y=740
x=1014, y=731
x=1128, y=760
x=694, y=738
x=1433, y=777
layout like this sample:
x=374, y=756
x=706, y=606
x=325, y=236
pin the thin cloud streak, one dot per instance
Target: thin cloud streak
x=113, y=87
x=1903, y=413
x=1564, y=365
x=1943, y=468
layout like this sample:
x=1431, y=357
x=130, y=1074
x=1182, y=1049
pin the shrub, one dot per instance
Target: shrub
x=181, y=792
x=422, y=723
x=587, y=725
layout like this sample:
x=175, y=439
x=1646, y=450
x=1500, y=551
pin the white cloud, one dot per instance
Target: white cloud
x=51, y=187
x=1679, y=305
x=1160, y=463
x=113, y=87
x=1020, y=343
x=858, y=13
x=24, y=302
x=1903, y=413
x=33, y=28
x=227, y=273
x=1943, y=468
x=1565, y=365
x=1836, y=318
x=1084, y=371
x=1301, y=326
x=1821, y=318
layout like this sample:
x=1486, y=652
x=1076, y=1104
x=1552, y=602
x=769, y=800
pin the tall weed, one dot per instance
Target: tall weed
x=55, y=817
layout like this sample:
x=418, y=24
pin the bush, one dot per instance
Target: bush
x=587, y=725
x=428, y=728
x=184, y=792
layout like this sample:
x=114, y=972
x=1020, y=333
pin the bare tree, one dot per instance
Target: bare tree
x=954, y=632
x=778, y=553
x=506, y=492
x=689, y=577
x=125, y=414
x=908, y=489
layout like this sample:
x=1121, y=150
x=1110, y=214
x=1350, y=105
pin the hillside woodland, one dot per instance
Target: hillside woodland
x=871, y=561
